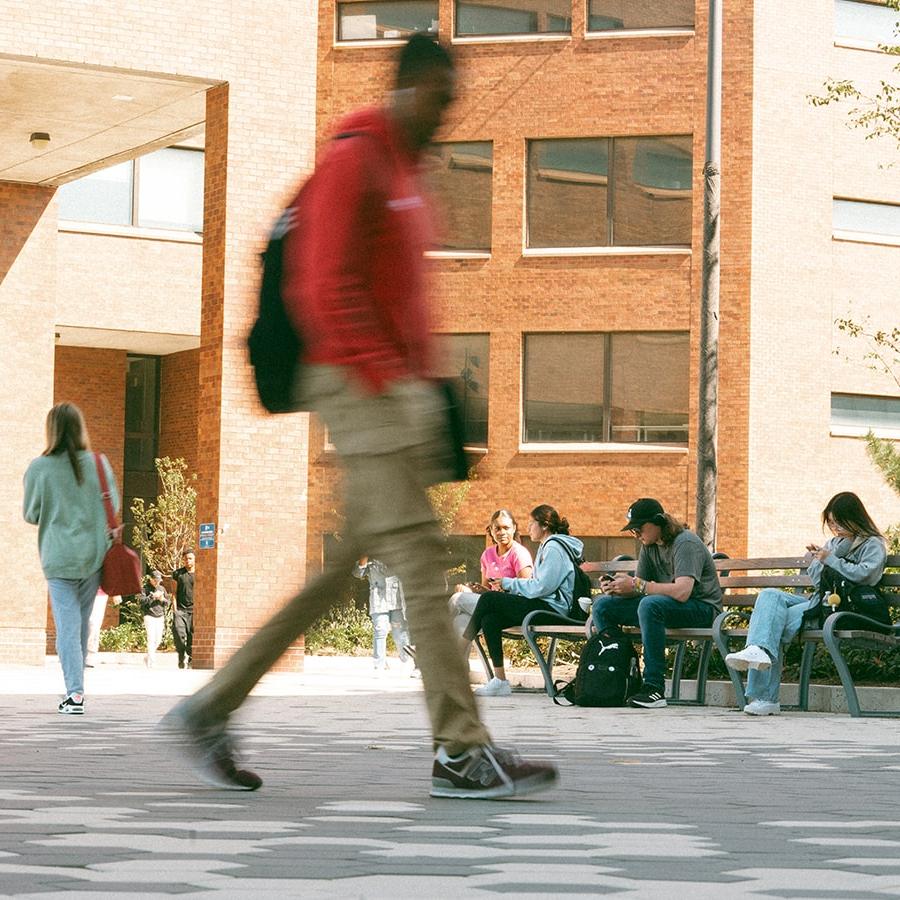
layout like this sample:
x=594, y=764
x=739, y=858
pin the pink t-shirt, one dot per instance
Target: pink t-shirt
x=509, y=566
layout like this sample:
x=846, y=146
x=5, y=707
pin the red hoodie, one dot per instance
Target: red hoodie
x=354, y=271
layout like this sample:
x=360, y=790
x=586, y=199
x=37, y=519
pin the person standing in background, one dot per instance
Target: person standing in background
x=154, y=602
x=183, y=613
x=385, y=610
x=63, y=498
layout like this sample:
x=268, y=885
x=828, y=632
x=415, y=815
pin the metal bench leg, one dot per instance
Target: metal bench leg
x=806, y=661
x=834, y=648
x=703, y=671
x=551, y=653
x=722, y=646
x=677, y=667
x=485, y=659
x=546, y=668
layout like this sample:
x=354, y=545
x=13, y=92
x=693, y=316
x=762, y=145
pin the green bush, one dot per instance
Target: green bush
x=124, y=638
x=343, y=630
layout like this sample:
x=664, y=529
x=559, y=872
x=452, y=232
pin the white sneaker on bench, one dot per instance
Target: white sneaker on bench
x=496, y=687
x=751, y=657
x=762, y=708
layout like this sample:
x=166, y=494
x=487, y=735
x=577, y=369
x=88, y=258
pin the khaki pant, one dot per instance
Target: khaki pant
x=391, y=448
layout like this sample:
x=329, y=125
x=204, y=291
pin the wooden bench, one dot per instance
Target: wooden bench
x=741, y=580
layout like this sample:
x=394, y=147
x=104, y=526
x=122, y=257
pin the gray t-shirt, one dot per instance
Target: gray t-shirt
x=686, y=555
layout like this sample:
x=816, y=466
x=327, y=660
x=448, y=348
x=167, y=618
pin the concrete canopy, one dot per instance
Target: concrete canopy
x=95, y=117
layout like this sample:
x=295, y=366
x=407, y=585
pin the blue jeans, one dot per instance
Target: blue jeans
x=776, y=620
x=654, y=613
x=396, y=622
x=72, y=600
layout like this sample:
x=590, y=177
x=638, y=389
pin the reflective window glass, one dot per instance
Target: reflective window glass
x=463, y=358
x=103, y=197
x=633, y=15
x=386, y=19
x=865, y=412
x=873, y=23
x=170, y=189
x=867, y=218
x=516, y=17
x=459, y=178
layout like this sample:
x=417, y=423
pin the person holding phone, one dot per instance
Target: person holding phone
x=505, y=558
x=856, y=550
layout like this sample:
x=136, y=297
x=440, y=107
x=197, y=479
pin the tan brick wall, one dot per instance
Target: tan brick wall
x=802, y=279
x=253, y=474
x=509, y=93
x=128, y=284
x=27, y=289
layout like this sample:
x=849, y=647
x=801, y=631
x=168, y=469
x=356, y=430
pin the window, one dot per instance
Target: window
x=103, y=197
x=856, y=414
x=163, y=189
x=386, y=20
x=170, y=189
x=863, y=220
x=864, y=22
x=606, y=192
x=640, y=15
x=141, y=433
x=464, y=359
x=476, y=17
x=600, y=549
x=459, y=176
x=624, y=388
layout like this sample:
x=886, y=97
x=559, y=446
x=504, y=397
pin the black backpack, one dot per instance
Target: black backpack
x=608, y=672
x=582, y=586
x=276, y=347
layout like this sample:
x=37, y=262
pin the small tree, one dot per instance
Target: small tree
x=164, y=529
x=446, y=500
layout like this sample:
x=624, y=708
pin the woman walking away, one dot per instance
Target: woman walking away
x=857, y=551
x=62, y=497
x=550, y=589
x=505, y=558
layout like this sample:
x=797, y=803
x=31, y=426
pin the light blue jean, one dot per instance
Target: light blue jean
x=776, y=619
x=72, y=600
x=395, y=622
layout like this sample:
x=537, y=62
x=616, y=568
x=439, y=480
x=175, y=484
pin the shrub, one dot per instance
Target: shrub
x=124, y=638
x=342, y=630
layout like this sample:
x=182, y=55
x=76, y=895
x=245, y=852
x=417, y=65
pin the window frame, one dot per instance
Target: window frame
x=442, y=335
x=860, y=431
x=507, y=37
x=608, y=249
x=343, y=43
x=133, y=229
x=607, y=446
x=676, y=31
x=864, y=237
x=852, y=43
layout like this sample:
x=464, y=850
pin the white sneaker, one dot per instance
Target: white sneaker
x=762, y=708
x=751, y=657
x=496, y=687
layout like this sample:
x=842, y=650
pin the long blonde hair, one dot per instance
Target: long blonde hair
x=67, y=433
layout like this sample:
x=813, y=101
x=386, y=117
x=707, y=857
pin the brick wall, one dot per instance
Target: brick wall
x=27, y=289
x=513, y=92
x=179, y=405
x=252, y=467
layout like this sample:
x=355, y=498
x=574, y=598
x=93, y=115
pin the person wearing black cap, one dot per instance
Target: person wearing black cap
x=675, y=586
x=153, y=605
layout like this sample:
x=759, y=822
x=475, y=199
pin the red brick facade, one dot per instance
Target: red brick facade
x=516, y=91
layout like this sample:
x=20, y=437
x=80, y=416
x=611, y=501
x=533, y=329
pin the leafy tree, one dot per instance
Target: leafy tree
x=165, y=529
x=877, y=113
x=883, y=354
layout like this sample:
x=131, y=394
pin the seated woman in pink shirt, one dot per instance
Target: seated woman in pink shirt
x=507, y=558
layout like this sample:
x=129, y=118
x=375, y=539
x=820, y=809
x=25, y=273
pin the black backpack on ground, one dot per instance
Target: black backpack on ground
x=276, y=346
x=582, y=586
x=608, y=672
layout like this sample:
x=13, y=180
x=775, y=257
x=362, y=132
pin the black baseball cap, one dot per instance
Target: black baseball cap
x=642, y=511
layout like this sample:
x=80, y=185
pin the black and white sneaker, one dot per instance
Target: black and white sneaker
x=486, y=773
x=649, y=698
x=72, y=705
x=210, y=751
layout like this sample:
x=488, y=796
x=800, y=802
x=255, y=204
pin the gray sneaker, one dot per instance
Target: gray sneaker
x=486, y=773
x=210, y=751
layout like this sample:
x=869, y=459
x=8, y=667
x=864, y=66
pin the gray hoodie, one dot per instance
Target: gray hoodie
x=554, y=574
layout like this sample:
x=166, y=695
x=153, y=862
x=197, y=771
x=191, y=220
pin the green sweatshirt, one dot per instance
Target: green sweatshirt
x=72, y=532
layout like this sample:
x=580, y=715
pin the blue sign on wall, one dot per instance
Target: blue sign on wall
x=207, y=535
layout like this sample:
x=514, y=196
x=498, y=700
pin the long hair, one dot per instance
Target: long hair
x=510, y=516
x=847, y=510
x=547, y=517
x=67, y=433
x=670, y=528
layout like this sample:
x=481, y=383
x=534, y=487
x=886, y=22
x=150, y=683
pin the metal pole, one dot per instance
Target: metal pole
x=708, y=381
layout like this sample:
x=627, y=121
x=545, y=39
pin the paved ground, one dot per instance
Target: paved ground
x=698, y=803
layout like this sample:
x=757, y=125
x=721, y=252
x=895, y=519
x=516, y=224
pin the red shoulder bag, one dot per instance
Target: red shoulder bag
x=121, y=574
